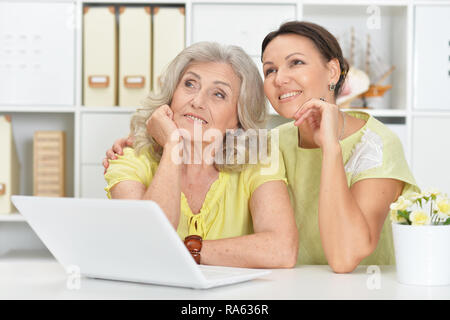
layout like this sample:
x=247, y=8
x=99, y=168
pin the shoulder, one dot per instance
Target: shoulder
x=142, y=156
x=372, y=130
x=376, y=152
x=130, y=167
x=286, y=135
x=270, y=169
x=141, y=162
x=365, y=149
x=391, y=142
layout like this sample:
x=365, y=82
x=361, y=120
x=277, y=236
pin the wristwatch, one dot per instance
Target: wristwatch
x=194, y=244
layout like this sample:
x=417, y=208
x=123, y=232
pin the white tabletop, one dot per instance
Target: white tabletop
x=43, y=278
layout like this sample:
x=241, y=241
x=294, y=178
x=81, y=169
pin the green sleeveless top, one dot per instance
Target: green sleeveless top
x=374, y=151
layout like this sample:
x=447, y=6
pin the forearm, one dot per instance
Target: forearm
x=344, y=231
x=259, y=250
x=165, y=188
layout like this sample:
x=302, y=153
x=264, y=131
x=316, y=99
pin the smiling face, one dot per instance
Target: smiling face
x=207, y=95
x=295, y=72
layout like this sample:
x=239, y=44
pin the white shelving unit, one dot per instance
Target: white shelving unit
x=403, y=37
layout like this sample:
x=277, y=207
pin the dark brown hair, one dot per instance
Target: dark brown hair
x=324, y=41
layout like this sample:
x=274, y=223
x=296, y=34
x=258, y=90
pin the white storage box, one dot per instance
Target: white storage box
x=37, y=54
x=244, y=25
x=432, y=58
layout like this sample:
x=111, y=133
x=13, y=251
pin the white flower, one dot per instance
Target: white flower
x=419, y=218
x=415, y=196
x=431, y=192
x=401, y=204
x=444, y=207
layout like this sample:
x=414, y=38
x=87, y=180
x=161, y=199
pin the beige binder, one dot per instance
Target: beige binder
x=168, y=38
x=9, y=166
x=99, y=56
x=134, y=55
x=49, y=163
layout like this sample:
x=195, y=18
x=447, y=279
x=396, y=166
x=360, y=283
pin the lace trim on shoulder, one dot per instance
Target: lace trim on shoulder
x=367, y=154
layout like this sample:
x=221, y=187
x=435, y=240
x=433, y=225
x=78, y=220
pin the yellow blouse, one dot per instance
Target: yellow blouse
x=225, y=212
x=372, y=152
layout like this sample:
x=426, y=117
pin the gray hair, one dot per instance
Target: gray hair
x=252, y=108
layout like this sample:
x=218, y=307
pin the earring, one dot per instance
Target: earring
x=332, y=87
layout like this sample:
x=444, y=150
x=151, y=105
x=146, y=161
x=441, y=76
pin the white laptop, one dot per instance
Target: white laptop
x=129, y=240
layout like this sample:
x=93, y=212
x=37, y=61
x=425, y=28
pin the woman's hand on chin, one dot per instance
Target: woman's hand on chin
x=162, y=127
x=323, y=120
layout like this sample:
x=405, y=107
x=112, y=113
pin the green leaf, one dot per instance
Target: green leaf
x=404, y=214
x=447, y=222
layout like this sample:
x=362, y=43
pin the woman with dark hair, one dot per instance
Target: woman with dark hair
x=343, y=169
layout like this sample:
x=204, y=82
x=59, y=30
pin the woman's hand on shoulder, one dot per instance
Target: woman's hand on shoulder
x=117, y=149
x=322, y=118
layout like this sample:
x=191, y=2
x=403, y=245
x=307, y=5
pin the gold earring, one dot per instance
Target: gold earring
x=332, y=86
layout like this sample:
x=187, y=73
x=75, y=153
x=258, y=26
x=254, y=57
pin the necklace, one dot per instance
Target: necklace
x=340, y=136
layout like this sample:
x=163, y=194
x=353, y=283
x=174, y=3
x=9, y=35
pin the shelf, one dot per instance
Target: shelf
x=84, y=109
x=438, y=113
x=357, y=3
x=431, y=2
x=37, y=109
x=24, y=126
x=388, y=34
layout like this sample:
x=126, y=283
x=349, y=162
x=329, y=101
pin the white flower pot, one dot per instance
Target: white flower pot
x=422, y=254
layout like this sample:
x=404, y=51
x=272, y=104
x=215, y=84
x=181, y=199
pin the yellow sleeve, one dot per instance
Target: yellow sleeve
x=256, y=175
x=128, y=167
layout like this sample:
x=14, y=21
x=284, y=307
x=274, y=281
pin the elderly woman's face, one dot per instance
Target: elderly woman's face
x=207, y=95
x=294, y=72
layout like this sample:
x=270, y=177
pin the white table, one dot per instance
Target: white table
x=41, y=277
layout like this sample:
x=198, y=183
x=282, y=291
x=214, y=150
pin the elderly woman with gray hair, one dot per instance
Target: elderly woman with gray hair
x=227, y=212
